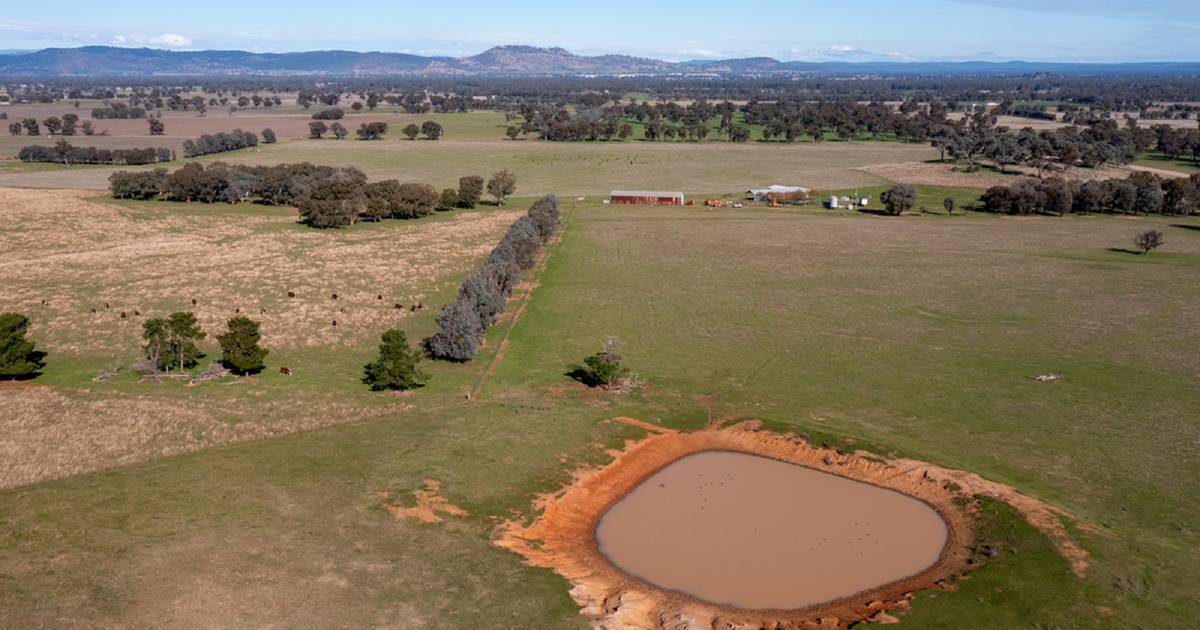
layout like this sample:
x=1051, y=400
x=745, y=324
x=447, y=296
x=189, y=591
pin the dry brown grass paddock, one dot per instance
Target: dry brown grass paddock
x=76, y=254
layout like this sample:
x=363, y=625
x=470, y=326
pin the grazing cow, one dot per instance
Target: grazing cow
x=193, y=301
x=291, y=294
x=237, y=311
x=335, y=323
x=136, y=313
x=420, y=305
x=398, y=306
x=286, y=371
x=343, y=309
x=93, y=311
x=122, y=314
x=43, y=302
x=412, y=309
x=106, y=306
x=335, y=296
x=262, y=311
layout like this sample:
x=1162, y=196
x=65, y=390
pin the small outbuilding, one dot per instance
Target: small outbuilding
x=779, y=194
x=646, y=198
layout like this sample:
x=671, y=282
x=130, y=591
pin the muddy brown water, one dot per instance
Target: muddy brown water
x=752, y=532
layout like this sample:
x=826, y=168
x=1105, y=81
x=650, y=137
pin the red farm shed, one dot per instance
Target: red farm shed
x=646, y=198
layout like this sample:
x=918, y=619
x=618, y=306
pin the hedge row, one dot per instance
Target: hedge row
x=485, y=292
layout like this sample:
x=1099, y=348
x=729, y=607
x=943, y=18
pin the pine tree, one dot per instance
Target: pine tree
x=19, y=358
x=396, y=367
x=240, y=351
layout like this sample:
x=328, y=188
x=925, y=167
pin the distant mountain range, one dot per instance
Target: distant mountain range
x=498, y=61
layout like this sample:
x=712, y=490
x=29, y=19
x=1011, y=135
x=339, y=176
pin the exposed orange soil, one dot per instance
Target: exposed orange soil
x=562, y=536
x=430, y=503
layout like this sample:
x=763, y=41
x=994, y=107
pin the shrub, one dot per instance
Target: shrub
x=396, y=367
x=334, y=113
x=339, y=132
x=268, y=136
x=470, y=190
x=19, y=357
x=432, y=130
x=240, y=351
x=412, y=131
x=459, y=333
x=899, y=198
x=603, y=369
x=1148, y=241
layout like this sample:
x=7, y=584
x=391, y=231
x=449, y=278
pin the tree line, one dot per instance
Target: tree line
x=65, y=153
x=68, y=125
x=220, y=142
x=484, y=294
x=1140, y=193
x=325, y=196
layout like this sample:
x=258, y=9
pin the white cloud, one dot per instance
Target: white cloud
x=842, y=48
x=169, y=40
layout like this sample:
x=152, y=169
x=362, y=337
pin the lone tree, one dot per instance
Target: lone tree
x=899, y=198
x=317, y=129
x=432, y=130
x=501, y=185
x=171, y=343
x=240, y=351
x=1148, y=240
x=396, y=368
x=268, y=136
x=372, y=131
x=19, y=358
x=156, y=126
x=412, y=131
x=339, y=132
x=948, y=204
x=603, y=369
x=470, y=189
x=512, y=132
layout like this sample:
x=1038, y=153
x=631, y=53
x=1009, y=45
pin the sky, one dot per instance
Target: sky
x=796, y=30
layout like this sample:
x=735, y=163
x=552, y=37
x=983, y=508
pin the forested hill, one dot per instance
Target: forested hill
x=501, y=60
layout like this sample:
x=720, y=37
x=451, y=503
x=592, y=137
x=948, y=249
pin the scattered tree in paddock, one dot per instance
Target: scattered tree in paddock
x=53, y=125
x=512, y=132
x=448, y=200
x=372, y=131
x=14, y=128
x=87, y=128
x=397, y=365
x=502, y=185
x=32, y=128
x=411, y=131
x=157, y=128
x=240, y=351
x=19, y=357
x=268, y=136
x=899, y=198
x=70, y=124
x=171, y=342
x=339, y=132
x=470, y=190
x=432, y=130
x=317, y=129
x=1148, y=241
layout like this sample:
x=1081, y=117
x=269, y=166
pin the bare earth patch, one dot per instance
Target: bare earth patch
x=65, y=254
x=429, y=504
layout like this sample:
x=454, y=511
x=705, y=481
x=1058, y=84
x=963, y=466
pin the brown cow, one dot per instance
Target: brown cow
x=398, y=306
x=335, y=296
x=379, y=297
x=122, y=314
x=286, y=371
x=291, y=294
x=335, y=323
x=193, y=301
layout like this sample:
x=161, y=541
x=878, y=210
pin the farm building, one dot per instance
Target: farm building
x=779, y=193
x=646, y=198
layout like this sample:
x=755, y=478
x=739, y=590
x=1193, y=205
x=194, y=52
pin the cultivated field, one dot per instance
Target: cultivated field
x=915, y=335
